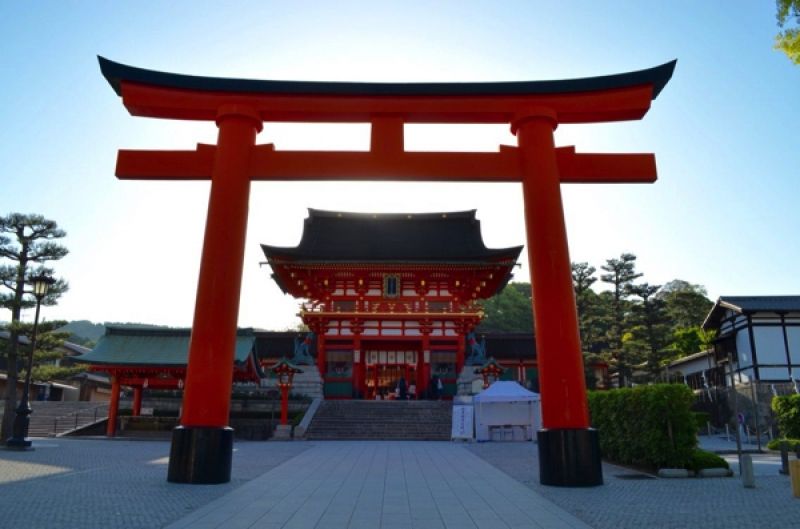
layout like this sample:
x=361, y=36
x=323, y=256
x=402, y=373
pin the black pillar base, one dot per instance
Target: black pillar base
x=18, y=444
x=200, y=455
x=570, y=458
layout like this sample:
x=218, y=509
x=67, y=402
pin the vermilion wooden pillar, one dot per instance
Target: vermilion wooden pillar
x=284, y=405
x=569, y=450
x=202, y=446
x=358, y=366
x=137, y=401
x=113, y=407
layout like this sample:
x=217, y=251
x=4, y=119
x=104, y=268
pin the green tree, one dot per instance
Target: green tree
x=687, y=304
x=26, y=243
x=594, y=310
x=621, y=275
x=788, y=40
x=582, y=281
x=650, y=330
x=49, y=351
x=509, y=310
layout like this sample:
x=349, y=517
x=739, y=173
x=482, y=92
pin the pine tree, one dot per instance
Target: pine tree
x=650, y=326
x=621, y=275
x=27, y=241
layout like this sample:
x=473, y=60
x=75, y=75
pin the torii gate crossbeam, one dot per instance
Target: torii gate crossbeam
x=202, y=444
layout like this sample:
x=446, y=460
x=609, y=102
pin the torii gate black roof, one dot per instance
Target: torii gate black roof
x=331, y=236
x=115, y=73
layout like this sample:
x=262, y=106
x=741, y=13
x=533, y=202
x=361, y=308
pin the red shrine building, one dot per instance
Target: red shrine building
x=390, y=295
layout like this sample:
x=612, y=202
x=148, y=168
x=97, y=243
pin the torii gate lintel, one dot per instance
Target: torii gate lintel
x=202, y=445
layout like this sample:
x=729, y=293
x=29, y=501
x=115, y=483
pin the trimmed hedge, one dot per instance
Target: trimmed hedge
x=701, y=419
x=703, y=459
x=787, y=413
x=775, y=444
x=651, y=426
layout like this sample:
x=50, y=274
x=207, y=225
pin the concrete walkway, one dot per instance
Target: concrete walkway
x=386, y=485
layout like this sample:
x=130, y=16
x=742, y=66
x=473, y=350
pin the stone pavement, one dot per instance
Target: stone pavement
x=386, y=485
x=710, y=503
x=108, y=484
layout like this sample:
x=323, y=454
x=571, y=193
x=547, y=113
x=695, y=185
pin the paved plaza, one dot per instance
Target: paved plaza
x=84, y=483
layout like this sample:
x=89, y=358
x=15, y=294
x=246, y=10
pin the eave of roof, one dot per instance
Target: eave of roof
x=115, y=73
x=399, y=238
x=145, y=346
x=749, y=305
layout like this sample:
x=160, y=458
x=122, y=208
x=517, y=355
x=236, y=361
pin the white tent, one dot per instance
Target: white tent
x=505, y=411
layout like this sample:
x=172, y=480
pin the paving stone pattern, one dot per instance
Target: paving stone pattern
x=106, y=484
x=709, y=503
x=382, y=485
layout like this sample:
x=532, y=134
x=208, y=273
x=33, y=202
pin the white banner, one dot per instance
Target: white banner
x=462, y=422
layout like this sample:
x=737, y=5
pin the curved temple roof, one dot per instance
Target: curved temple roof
x=453, y=237
x=134, y=345
x=115, y=73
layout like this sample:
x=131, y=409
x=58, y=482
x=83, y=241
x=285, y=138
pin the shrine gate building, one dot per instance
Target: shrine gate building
x=390, y=295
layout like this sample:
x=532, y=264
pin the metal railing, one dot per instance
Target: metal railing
x=78, y=418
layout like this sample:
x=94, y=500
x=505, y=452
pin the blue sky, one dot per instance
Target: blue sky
x=723, y=213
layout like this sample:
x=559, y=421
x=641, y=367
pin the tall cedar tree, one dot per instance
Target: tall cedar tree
x=649, y=333
x=585, y=300
x=621, y=275
x=27, y=241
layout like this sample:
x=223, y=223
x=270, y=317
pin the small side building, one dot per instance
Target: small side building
x=759, y=336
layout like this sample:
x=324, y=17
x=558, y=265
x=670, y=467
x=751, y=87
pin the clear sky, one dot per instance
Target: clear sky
x=725, y=133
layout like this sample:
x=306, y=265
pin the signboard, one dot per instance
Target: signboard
x=463, y=419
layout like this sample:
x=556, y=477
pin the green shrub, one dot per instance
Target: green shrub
x=787, y=413
x=775, y=444
x=649, y=426
x=701, y=418
x=701, y=459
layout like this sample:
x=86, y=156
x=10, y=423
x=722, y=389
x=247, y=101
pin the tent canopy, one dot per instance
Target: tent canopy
x=506, y=391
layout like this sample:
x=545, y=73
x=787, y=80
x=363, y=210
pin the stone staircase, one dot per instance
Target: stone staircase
x=307, y=383
x=382, y=420
x=50, y=419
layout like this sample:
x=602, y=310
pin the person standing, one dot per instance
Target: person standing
x=403, y=388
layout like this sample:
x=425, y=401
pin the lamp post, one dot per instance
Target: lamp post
x=41, y=284
x=490, y=371
x=285, y=372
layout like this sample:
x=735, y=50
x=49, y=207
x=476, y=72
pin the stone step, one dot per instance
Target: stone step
x=399, y=420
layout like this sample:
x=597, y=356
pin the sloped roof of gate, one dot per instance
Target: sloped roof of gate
x=451, y=237
x=115, y=73
x=140, y=346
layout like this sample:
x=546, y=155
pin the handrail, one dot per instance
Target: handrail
x=77, y=415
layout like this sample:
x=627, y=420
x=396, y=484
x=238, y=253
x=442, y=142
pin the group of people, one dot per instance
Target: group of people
x=405, y=391
x=402, y=391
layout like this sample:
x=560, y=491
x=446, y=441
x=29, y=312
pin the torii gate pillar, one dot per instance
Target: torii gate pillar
x=569, y=451
x=202, y=445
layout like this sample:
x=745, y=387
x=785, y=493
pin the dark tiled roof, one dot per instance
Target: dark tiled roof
x=761, y=303
x=749, y=304
x=115, y=73
x=135, y=345
x=330, y=236
x=510, y=346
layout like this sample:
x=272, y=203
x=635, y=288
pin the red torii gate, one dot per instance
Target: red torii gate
x=202, y=445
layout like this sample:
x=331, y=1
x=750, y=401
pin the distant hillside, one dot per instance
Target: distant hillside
x=83, y=332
